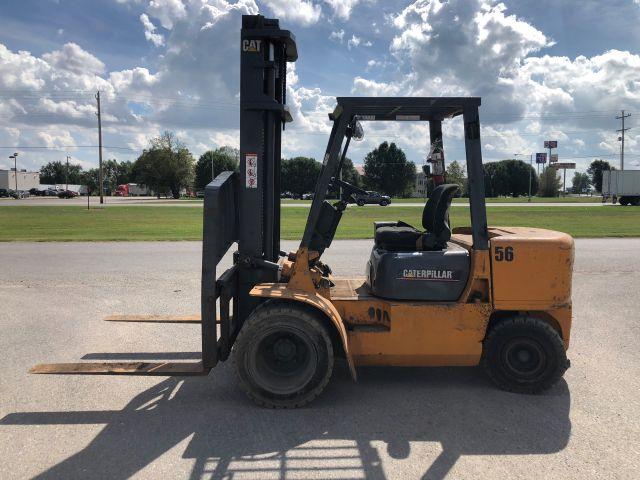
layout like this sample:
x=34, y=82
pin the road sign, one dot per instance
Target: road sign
x=564, y=165
x=550, y=144
x=554, y=158
x=541, y=158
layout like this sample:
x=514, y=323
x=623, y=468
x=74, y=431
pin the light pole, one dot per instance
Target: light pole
x=15, y=169
x=66, y=175
x=530, y=168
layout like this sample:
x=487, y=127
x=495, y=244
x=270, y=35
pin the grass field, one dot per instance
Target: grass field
x=178, y=223
x=595, y=199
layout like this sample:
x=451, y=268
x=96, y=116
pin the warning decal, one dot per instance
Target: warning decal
x=251, y=162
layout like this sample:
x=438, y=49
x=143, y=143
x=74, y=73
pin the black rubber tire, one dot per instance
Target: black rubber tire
x=384, y=203
x=252, y=355
x=624, y=201
x=360, y=203
x=504, y=346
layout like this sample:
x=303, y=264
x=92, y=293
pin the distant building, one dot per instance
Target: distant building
x=26, y=180
x=420, y=189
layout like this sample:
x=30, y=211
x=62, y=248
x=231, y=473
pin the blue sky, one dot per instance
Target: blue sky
x=545, y=70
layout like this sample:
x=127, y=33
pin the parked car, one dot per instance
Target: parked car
x=18, y=194
x=50, y=192
x=25, y=194
x=200, y=194
x=371, y=198
x=67, y=194
x=307, y=196
x=4, y=193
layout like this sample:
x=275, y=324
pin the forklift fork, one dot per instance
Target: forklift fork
x=218, y=331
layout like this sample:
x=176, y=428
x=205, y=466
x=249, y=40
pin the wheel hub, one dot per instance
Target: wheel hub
x=524, y=358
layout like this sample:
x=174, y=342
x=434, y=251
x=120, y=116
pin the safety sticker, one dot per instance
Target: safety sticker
x=251, y=162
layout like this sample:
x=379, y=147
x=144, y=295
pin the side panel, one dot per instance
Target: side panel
x=420, y=334
x=532, y=270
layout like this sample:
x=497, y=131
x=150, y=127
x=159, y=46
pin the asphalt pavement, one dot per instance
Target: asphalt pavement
x=393, y=423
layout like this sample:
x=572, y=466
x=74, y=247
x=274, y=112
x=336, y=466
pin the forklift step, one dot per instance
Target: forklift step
x=122, y=368
x=154, y=318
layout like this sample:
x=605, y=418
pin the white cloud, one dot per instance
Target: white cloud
x=356, y=41
x=342, y=8
x=167, y=11
x=149, y=31
x=299, y=11
x=337, y=35
x=74, y=59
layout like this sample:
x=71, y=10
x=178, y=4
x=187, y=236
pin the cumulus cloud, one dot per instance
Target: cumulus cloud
x=167, y=11
x=74, y=59
x=299, y=11
x=337, y=35
x=149, y=31
x=462, y=47
x=343, y=8
x=356, y=41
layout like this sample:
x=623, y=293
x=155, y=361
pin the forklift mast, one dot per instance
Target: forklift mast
x=244, y=208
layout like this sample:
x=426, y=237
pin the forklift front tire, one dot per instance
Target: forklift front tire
x=524, y=355
x=283, y=355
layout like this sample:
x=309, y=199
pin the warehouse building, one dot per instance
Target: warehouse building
x=26, y=180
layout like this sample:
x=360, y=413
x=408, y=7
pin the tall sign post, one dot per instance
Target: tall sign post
x=564, y=166
x=541, y=159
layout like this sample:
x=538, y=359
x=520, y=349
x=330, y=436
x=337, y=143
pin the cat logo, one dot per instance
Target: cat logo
x=251, y=45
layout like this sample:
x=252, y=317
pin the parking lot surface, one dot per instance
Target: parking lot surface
x=393, y=423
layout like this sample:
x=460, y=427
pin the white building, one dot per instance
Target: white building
x=26, y=180
x=420, y=190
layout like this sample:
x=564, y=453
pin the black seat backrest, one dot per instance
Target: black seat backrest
x=429, y=212
x=441, y=228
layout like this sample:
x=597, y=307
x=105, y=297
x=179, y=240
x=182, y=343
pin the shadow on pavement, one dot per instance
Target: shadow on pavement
x=232, y=438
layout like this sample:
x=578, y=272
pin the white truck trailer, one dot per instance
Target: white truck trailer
x=621, y=185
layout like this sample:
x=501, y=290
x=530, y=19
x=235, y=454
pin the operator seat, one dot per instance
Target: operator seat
x=402, y=237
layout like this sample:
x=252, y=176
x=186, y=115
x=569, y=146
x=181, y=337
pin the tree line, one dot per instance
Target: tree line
x=167, y=167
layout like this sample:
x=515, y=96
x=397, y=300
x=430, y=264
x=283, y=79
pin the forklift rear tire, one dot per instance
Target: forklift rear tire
x=524, y=355
x=283, y=356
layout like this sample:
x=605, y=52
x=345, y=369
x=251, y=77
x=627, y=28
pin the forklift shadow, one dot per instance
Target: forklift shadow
x=349, y=432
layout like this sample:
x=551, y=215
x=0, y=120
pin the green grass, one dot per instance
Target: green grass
x=35, y=223
x=594, y=199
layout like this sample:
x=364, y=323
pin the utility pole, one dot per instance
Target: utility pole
x=15, y=169
x=66, y=175
x=99, y=148
x=621, y=137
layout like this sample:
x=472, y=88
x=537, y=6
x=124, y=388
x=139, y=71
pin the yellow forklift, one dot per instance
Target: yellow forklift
x=499, y=297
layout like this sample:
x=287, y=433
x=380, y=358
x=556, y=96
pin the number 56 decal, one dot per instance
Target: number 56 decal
x=503, y=254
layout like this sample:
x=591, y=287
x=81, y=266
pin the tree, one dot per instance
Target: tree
x=455, y=174
x=581, y=182
x=299, y=175
x=549, y=183
x=116, y=173
x=595, y=171
x=55, y=173
x=90, y=179
x=223, y=159
x=509, y=177
x=350, y=174
x=387, y=170
x=166, y=166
